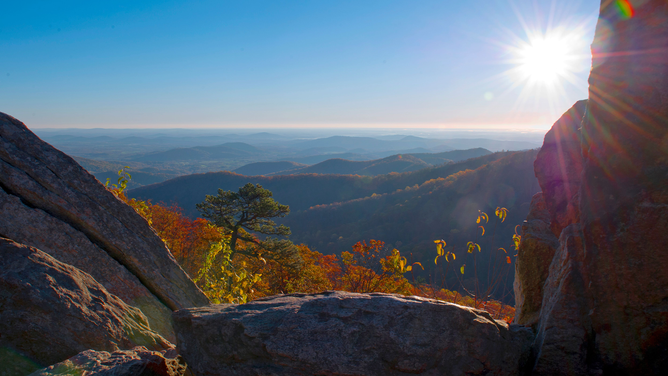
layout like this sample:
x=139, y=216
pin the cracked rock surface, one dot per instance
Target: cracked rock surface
x=50, y=202
x=341, y=333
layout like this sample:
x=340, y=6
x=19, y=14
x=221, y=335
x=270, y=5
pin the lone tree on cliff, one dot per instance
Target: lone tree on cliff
x=251, y=210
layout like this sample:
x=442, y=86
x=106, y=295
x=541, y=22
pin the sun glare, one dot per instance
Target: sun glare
x=548, y=58
x=546, y=65
x=545, y=60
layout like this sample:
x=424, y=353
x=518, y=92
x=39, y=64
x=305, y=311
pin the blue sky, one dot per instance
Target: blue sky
x=319, y=63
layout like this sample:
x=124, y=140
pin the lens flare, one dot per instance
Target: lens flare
x=625, y=8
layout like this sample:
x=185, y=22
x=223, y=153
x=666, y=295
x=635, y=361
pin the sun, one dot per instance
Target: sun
x=547, y=65
x=545, y=59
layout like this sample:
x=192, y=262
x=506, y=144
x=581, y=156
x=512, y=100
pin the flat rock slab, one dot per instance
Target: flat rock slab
x=341, y=333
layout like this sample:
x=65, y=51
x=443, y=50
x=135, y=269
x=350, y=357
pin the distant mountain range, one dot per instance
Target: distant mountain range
x=230, y=150
x=395, y=163
x=154, y=156
x=300, y=191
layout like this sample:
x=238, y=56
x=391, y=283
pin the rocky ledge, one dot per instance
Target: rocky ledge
x=341, y=333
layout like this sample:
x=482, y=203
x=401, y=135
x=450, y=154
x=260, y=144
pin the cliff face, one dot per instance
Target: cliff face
x=624, y=196
x=605, y=299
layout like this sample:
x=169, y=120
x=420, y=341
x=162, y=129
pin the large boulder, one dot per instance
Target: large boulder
x=50, y=202
x=136, y=362
x=624, y=195
x=340, y=333
x=605, y=301
x=50, y=311
x=534, y=257
x=558, y=167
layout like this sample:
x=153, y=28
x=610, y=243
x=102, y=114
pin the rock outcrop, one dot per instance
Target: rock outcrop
x=533, y=261
x=624, y=195
x=558, y=167
x=339, y=333
x=605, y=299
x=50, y=311
x=136, y=362
x=50, y=202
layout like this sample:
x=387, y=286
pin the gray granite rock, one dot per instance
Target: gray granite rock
x=558, y=168
x=136, y=362
x=533, y=261
x=340, y=333
x=564, y=332
x=50, y=311
x=624, y=195
x=48, y=201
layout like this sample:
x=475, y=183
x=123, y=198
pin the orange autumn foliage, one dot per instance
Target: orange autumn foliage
x=362, y=270
x=188, y=239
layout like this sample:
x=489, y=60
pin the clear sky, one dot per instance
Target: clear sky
x=281, y=63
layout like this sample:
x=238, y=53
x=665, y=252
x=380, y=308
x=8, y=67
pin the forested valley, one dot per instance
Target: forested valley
x=443, y=232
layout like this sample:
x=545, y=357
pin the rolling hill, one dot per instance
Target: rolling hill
x=201, y=153
x=394, y=163
x=266, y=168
x=371, y=144
x=298, y=191
x=411, y=219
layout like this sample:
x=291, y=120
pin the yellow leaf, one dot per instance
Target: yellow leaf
x=436, y=260
x=453, y=256
x=437, y=241
x=418, y=264
x=503, y=249
x=462, y=268
x=483, y=230
x=446, y=257
x=409, y=268
x=477, y=220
